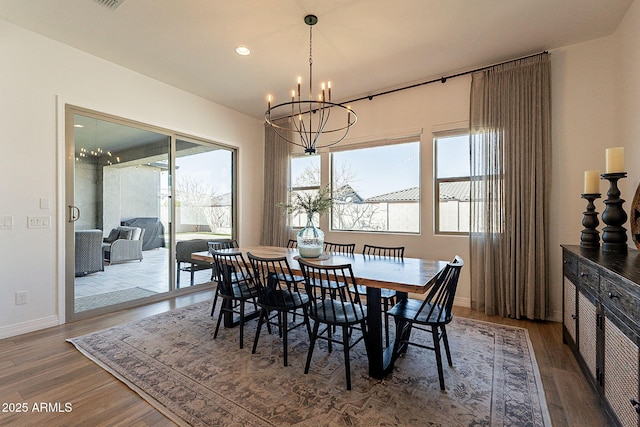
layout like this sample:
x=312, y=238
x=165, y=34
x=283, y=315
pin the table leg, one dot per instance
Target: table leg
x=380, y=359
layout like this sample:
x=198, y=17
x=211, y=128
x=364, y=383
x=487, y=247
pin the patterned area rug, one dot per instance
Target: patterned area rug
x=172, y=361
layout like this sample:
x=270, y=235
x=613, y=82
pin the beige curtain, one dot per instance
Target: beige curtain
x=510, y=123
x=275, y=231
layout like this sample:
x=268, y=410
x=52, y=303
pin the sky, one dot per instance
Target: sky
x=374, y=171
x=385, y=169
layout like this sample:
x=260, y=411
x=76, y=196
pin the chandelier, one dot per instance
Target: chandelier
x=311, y=118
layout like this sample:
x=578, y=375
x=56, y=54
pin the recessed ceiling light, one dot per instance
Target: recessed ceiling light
x=243, y=50
x=78, y=126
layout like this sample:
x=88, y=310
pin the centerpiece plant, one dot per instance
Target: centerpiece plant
x=310, y=238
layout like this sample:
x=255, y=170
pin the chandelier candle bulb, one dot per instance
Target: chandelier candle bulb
x=299, y=82
x=615, y=159
x=591, y=182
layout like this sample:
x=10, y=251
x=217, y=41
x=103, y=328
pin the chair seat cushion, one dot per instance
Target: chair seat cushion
x=409, y=310
x=282, y=299
x=333, y=311
x=242, y=290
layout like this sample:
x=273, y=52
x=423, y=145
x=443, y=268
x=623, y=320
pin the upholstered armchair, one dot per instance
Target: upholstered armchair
x=88, y=252
x=123, y=244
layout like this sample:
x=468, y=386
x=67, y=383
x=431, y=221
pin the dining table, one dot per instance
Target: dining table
x=404, y=275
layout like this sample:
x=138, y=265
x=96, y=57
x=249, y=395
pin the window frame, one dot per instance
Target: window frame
x=437, y=181
x=292, y=157
x=413, y=137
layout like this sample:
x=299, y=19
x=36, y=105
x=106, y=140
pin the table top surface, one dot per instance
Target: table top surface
x=401, y=274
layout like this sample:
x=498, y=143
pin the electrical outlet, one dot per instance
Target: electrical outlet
x=21, y=297
x=6, y=222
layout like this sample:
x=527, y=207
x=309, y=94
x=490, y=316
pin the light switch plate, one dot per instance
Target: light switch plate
x=38, y=222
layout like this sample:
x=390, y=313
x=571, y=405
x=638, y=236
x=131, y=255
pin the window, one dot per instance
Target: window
x=377, y=188
x=305, y=178
x=452, y=189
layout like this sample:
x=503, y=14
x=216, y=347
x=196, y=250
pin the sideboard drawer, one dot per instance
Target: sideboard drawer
x=570, y=266
x=621, y=296
x=589, y=276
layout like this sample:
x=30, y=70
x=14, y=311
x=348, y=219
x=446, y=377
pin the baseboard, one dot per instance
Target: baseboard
x=556, y=316
x=30, y=326
x=462, y=302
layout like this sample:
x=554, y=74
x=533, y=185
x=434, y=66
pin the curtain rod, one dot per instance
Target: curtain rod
x=442, y=79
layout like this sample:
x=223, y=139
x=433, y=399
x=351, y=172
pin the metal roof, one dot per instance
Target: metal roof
x=408, y=195
x=457, y=190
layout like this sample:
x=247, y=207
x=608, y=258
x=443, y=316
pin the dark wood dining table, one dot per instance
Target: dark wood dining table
x=403, y=275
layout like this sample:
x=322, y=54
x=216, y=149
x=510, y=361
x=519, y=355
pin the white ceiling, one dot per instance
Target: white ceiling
x=362, y=46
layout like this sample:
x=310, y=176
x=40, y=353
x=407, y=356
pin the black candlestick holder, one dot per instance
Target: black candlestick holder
x=614, y=235
x=590, y=237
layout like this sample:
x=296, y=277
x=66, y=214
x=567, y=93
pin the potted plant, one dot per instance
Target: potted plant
x=310, y=238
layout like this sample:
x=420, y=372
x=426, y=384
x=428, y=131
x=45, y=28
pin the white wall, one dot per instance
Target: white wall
x=430, y=108
x=38, y=74
x=583, y=102
x=627, y=107
x=595, y=105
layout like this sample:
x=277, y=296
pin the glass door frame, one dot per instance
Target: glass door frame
x=69, y=195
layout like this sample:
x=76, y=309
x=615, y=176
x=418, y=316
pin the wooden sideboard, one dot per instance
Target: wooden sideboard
x=601, y=325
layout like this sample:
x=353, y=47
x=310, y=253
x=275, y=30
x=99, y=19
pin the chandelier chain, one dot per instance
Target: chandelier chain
x=310, y=59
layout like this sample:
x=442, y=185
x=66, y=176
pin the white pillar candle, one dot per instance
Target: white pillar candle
x=615, y=159
x=591, y=182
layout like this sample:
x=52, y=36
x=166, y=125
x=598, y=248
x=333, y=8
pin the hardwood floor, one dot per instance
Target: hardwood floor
x=41, y=367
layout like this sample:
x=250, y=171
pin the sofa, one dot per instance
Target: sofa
x=123, y=244
x=88, y=251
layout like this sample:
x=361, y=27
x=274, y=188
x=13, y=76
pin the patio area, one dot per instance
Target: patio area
x=130, y=280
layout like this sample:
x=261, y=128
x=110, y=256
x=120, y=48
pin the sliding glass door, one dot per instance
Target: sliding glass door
x=204, y=209
x=133, y=193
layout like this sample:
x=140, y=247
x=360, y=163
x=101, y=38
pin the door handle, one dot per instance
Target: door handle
x=74, y=213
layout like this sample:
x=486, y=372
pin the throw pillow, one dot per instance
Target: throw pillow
x=113, y=236
x=125, y=234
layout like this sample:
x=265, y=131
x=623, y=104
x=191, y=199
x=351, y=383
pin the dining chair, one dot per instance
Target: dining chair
x=215, y=275
x=292, y=243
x=278, y=291
x=431, y=315
x=235, y=287
x=222, y=244
x=388, y=296
x=341, y=248
x=328, y=309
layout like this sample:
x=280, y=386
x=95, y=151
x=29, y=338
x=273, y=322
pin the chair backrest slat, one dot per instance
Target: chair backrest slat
x=383, y=251
x=274, y=280
x=438, y=303
x=328, y=290
x=292, y=243
x=222, y=244
x=342, y=248
x=234, y=273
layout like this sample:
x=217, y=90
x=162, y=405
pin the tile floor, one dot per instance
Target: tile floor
x=151, y=273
